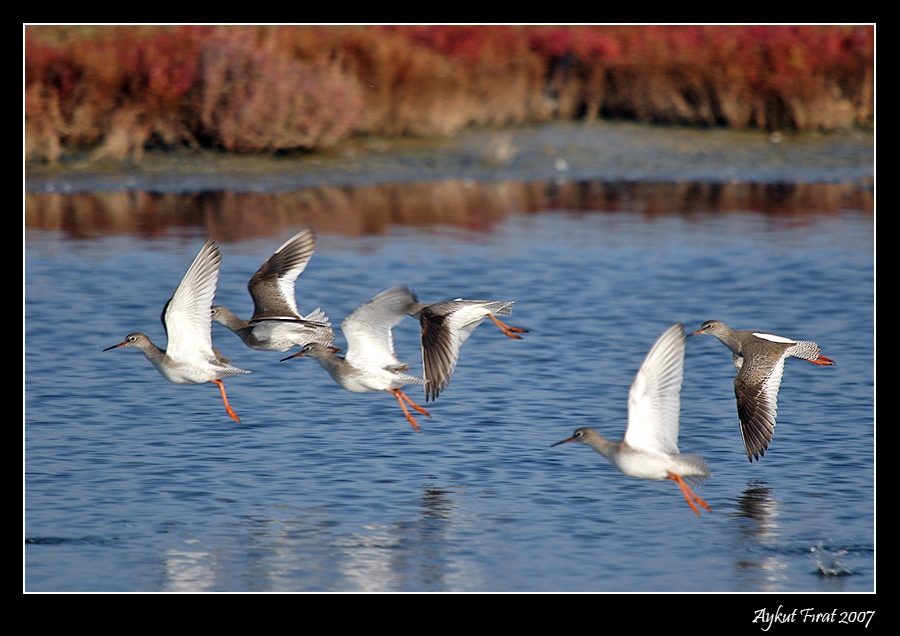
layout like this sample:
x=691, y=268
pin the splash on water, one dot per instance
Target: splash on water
x=830, y=561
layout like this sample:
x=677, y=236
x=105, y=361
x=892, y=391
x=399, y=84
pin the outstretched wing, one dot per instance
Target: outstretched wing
x=272, y=286
x=654, y=400
x=187, y=316
x=445, y=327
x=368, y=330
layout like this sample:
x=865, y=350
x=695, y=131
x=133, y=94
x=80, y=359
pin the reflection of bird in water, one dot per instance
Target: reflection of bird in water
x=649, y=449
x=436, y=503
x=759, y=360
x=757, y=503
x=189, y=357
x=371, y=364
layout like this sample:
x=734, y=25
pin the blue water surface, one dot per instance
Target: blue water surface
x=136, y=484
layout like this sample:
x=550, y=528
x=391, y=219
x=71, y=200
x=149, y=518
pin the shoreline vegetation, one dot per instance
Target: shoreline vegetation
x=114, y=92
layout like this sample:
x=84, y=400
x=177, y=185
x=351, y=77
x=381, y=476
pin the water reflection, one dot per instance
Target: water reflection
x=765, y=570
x=372, y=209
x=436, y=504
x=407, y=554
x=367, y=560
x=404, y=555
x=432, y=534
x=757, y=504
x=189, y=571
x=320, y=494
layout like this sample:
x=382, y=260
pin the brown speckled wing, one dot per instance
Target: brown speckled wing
x=440, y=351
x=757, y=405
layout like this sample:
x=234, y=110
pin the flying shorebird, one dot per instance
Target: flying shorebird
x=759, y=361
x=189, y=357
x=276, y=324
x=445, y=327
x=649, y=448
x=370, y=363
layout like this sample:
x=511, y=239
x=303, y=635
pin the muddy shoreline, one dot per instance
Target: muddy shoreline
x=594, y=151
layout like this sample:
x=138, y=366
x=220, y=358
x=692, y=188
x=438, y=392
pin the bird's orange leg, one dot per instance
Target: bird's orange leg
x=225, y=399
x=413, y=404
x=507, y=329
x=689, y=494
x=401, y=396
x=823, y=361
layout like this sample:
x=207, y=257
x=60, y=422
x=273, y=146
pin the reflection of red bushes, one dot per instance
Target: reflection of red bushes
x=117, y=90
x=375, y=208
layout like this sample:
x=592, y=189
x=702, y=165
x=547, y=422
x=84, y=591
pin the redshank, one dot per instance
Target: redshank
x=189, y=357
x=649, y=449
x=759, y=361
x=276, y=324
x=445, y=327
x=370, y=363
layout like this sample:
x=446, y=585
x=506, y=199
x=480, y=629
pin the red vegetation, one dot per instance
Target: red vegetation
x=117, y=90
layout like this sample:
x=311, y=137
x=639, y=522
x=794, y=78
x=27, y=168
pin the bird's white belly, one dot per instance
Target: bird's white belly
x=183, y=374
x=365, y=381
x=274, y=335
x=195, y=372
x=644, y=465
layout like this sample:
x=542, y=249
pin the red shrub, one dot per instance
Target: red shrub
x=254, y=97
x=119, y=89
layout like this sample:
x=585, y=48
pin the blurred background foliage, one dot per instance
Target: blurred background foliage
x=115, y=91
